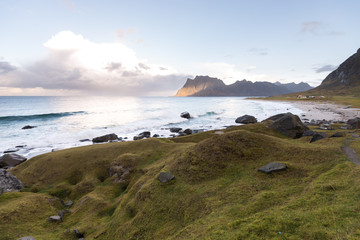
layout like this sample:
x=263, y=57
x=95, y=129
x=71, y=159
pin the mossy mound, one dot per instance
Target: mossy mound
x=217, y=192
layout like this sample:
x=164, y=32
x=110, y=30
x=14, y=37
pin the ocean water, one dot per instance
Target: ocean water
x=62, y=121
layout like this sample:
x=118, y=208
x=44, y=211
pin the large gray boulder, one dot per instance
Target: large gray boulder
x=273, y=167
x=11, y=160
x=105, y=138
x=287, y=124
x=246, y=119
x=165, y=177
x=354, y=123
x=9, y=182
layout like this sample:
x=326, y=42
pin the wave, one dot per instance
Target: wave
x=209, y=114
x=41, y=117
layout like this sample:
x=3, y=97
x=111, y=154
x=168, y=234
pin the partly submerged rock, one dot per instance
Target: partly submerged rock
x=105, y=138
x=288, y=124
x=175, y=129
x=185, y=115
x=165, y=177
x=9, y=182
x=11, y=160
x=188, y=131
x=273, y=167
x=317, y=136
x=28, y=127
x=246, y=119
x=142, y=135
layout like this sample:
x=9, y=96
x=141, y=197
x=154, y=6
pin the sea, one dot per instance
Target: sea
x=61, y=122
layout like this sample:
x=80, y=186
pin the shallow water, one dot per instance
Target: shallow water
x=62, y=121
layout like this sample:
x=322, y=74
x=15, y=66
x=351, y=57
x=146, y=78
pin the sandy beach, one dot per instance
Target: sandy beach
x=327, y=111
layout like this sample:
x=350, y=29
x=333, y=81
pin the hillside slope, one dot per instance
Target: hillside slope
x=217, y=192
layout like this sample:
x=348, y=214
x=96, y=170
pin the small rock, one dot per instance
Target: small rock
x=55, y=219
x=317, y=136
x=156, y=136
x=105, y=138
x=326, y=127
x=11, y=160
x=175, y=130
x=28, y=127
x=11, y=150
x=273, y=167
x=9, y=182
x=246, y=119
x=68, y=203
x=338, y=134
x=20, y=146
x=188, y=131
x=78, y=234
x=63, y=212
x=185, y=115
x=85, y=140
x=165, y=177
x=27, y=238
x=142, y=135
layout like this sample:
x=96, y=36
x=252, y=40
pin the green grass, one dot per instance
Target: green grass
x=217, y=192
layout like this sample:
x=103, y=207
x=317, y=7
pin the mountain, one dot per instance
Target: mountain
x=207, y=86
x=345, y=79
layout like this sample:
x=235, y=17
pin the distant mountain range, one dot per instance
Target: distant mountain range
x=208, y=86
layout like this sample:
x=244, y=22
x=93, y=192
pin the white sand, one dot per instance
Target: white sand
x=327, y=111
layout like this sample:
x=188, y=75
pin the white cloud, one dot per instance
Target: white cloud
x=77, y=64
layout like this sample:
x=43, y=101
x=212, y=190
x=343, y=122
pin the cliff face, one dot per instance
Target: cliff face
x=207, y=86
x=347, y=75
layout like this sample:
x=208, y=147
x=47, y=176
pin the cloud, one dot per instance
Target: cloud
x=6, y=67
x=259, y=51
x=318, y=28
x=325, y=68
x=74, y=63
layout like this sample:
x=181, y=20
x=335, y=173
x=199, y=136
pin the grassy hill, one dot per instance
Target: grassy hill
x=217, y=192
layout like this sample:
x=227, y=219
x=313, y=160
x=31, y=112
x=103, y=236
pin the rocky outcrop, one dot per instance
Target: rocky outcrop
x=246, y=119
x=105, y=138
x=165, y=177
x=273, y=167
x=11, y=160
x=287, y=124
x=9, y=182
x=208, y=86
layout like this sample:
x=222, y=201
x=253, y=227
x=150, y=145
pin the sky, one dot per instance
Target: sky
x=150, y=47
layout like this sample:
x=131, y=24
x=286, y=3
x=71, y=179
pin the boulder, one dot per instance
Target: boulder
x=273, y=167
x=11, y=160
x=317, y=136
x=338, y=134
x=156, y=136
x=246, y=119
x=27, y=238
x=354, y=123
x=288, y=124
x=142, y=135
x=9, y=182
x=55, y=219
x=175, y=129
x=188, y=131
x=165, y=177
x=185, y=115
x=105, y=138
x=28, y=127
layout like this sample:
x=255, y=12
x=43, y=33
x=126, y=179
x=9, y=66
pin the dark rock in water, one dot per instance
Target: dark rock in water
x=338, y=134
x=185, y=115
x=28, y=127
x=288, y=124
x=78, y=234
x=9, y=182
x=11, y=160
x=156, y=136
x=198, y=131
x=142, y=135
x=105, y=138
x=55, y=219
x=246, y=119
x=188, y=131
x=354, y=123
x=308, y=133
x=317, y=136
x=27, y=238
x=12, y=150
x=85, y=140
x=165, y=177
x=175, y=130
x=20, y=146
x=273, y=167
